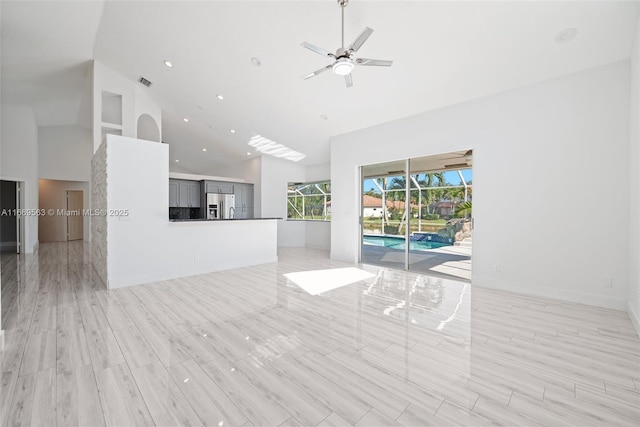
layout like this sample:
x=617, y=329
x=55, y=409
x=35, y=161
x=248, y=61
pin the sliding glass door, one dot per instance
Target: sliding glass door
x=419, y=220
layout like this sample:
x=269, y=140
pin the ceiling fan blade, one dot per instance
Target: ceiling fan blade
x=357, y=43
x=318, y=50
x=374, y=62
x=315, y=73
x=348, y=80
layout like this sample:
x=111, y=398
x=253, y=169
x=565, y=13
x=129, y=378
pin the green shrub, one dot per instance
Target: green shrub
x=394, y=215
x=431, y=216
x=390, y=229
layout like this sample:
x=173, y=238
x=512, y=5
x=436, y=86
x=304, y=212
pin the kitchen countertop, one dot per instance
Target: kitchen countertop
x=216, y=220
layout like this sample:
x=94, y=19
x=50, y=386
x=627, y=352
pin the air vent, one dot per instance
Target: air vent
x=144, y=81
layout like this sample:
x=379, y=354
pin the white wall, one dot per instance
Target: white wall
x=276, y=174
x=318, y=235
x=634, y=193
x=551, y=182
x=52, y=195
x=145, y=247
x=319, y=172
x=19, y=140
x=175, y=167
x=105, y=79
x=142, y=104
x=135, y=102
x=64, y=153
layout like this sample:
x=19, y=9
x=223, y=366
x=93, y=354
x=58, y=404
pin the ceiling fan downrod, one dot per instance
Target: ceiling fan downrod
x=342, y=4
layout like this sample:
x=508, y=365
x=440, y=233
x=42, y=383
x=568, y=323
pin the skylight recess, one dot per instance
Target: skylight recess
x=272, y=148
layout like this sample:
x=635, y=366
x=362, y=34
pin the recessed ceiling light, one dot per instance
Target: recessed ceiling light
x=168, y=64
x=186, y=120
x=248, y=153
x=232, y=130
x=256, y=61
x=220, y=97
x=324, y=117
x=566, y=35
x=177, y=161
x=204, y=149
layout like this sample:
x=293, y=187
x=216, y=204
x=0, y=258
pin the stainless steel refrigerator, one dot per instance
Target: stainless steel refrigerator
x=221, y=206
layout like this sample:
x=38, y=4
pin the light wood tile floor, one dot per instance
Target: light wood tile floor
x=248, y=348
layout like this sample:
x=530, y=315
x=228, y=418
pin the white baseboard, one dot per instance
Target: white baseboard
x=597, y=300
x=318, y=247
x=634, y=316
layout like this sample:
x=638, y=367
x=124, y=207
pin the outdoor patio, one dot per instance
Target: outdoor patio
x=447, y=261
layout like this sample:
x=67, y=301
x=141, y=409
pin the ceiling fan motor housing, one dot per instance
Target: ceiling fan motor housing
x=343, y=53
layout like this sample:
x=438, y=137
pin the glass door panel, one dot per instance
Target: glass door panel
x=383, y=214
x=439, y=192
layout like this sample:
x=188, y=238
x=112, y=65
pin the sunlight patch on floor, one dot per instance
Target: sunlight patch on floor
x=319, y=281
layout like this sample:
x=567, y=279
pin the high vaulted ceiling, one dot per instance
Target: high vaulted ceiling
x=444, y=53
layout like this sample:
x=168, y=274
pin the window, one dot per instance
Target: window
x=309, y=201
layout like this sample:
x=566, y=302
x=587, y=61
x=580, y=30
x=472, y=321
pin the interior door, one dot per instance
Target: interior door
x=74, y=217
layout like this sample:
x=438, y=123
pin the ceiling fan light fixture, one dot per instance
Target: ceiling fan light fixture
x=342, y=67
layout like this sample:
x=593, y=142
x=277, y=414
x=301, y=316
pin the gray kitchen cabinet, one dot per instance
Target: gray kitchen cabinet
x=194, y=194
x=184, y=193
x=173, y=193
x=210, y=187
x=244, y=201
x=219, y=187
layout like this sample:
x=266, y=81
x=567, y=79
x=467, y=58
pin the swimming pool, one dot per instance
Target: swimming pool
x=398, y=243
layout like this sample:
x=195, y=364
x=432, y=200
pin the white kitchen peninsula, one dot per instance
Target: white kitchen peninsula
x=131, y=175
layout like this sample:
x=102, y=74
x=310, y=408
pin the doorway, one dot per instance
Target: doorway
x=416, y=214
x=11, y=219
x=75, y=223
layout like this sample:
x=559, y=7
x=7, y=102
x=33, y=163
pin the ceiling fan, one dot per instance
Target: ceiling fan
x=345, y=60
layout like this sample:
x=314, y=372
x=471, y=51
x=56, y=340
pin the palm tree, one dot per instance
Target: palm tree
x=399, y=183
x=430, y=178
x=429, y=181
x=463, y=210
